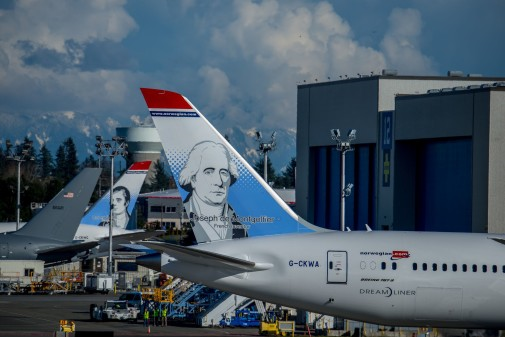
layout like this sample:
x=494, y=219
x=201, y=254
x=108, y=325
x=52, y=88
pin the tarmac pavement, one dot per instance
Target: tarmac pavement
x=39, y=315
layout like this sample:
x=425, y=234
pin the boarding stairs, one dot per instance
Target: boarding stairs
x=226, y=307
x=182, y=305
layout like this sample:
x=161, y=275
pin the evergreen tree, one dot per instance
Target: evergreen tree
x=288, y=177
x=3, y=161
x=45, y=162
x=67, y=164
x=90, y=161
x=72, y=166
x=60, y=167
x=160, y=181
x=260, y=168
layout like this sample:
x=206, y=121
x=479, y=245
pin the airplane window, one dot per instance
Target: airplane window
x=383, y=265
x=444, y=267
x=414, y=266
x=503, y=269
x=463, y=267
x=495, y=268
x=484, y=268
x=425, y=266
x=474, y=268
x=394, y=265
x=454, y=267
x=434, y=267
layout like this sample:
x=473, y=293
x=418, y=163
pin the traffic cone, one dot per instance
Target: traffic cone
x=148, y=329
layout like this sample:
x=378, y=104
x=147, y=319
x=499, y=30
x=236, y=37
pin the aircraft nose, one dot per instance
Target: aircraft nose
x=151, y=261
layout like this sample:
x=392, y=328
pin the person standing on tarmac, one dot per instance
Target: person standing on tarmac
x=155, y=316
x=164, y=316
x=146, y=317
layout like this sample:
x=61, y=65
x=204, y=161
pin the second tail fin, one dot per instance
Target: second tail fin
x=223, y=195
x=125, y=193
x=59, y=219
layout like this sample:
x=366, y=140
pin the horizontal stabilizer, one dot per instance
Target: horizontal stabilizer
x=68, y=249
x=499, y=240
x=136, y=236
x=196, y=256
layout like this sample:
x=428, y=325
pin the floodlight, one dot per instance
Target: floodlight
x=258, y=135
x=352, y=134
x=335, y=134
x=348, y=189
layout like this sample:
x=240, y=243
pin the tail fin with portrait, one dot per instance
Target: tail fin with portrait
x=131, y=181
x=243, y=204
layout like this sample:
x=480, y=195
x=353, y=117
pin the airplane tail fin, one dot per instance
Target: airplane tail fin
x=59, y=219
x=129, y=184
x=223, y=196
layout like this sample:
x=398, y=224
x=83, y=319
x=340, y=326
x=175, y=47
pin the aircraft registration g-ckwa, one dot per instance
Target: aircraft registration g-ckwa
x=251, y=243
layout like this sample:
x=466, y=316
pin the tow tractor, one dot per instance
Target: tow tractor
x=243, y=318
x=114, y=310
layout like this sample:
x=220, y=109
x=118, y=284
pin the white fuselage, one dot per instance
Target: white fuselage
x=392, y=278
x=96, y=233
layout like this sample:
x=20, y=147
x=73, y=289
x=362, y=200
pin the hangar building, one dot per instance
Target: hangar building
x=428, y=153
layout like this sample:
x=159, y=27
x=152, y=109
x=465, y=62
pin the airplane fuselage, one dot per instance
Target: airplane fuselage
x=22, y=247
x=392, y=278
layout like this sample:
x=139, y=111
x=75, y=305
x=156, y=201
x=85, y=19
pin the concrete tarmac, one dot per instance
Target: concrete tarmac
x=39, y=315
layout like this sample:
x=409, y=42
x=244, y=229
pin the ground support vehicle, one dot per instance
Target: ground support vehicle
x=114, y=310
x=243, y=318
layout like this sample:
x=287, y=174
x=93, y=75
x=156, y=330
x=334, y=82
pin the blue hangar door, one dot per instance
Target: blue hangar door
x=444, y=186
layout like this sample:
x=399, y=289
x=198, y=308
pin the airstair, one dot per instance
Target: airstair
x=226, y=307
x=182, y=306
x=205, y=305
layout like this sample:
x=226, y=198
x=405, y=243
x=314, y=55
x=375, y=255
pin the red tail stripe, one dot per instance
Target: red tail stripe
x=140, y=166
x=163, y=99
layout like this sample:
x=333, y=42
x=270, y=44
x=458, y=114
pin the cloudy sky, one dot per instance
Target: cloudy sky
x=74, y=68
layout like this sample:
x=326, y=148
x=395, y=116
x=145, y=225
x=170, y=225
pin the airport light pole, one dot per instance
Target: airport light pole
x=265, y=147
x=111, y=148
x=343, y=146
x=19, y=158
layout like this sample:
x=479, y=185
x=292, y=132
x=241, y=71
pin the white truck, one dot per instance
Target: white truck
x=114, y=310
x=98, y=283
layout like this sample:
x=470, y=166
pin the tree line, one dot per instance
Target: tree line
x=44, y=175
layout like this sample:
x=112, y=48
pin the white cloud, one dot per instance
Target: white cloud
x=217, y=86
x=401, y=43
x=52, y=22
x=136, y=120
x=112, y=124
x=35, y=35
x=284, y=43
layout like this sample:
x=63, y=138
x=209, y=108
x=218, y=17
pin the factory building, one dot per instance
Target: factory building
x=425, y=156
